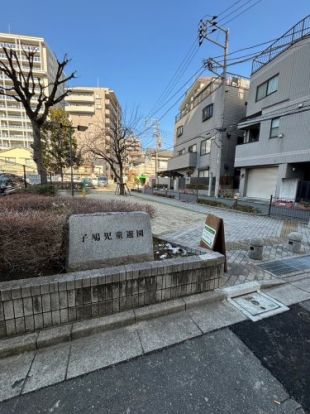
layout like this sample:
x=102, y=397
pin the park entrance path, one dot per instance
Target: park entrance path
x=182, y=223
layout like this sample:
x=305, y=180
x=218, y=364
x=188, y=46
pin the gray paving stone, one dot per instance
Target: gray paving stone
x=288, y=294
x=49, y=367
x=303, y=284
x=103, y=350
x=215, y=316
x=167, y=330
x=13, y=372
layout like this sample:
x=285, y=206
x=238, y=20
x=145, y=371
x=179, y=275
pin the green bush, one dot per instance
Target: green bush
x=42, y=189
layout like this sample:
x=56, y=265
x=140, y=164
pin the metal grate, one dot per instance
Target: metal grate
x=283, y=267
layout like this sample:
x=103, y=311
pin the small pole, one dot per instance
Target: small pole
x=25, y=176
x=270, y=204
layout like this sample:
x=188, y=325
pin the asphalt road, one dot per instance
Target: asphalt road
x=216, y=373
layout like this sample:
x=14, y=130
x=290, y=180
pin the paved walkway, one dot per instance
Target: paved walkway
x=33, y=370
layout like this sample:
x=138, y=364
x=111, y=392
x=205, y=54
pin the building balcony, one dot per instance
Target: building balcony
x=80, y=98
x=181, y=162
x=80, y=108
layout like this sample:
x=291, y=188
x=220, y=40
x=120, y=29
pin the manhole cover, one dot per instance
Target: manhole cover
x=257, y=305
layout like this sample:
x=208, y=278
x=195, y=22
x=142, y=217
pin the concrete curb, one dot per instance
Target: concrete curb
x=53, y=336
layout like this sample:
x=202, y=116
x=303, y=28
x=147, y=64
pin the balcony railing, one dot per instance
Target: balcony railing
x=236, y=81
x=293, y=35
x=187, y=160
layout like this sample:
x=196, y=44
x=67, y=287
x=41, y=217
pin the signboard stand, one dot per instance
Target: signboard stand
x=213, y=236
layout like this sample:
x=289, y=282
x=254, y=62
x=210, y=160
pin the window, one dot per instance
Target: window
x=207, y=112
x=203, y=173
x=192, y=148
x=182, y=151
x=253, y=133
x=180, y=130
x=267, y=88
x=205, y=147
x=274, y=128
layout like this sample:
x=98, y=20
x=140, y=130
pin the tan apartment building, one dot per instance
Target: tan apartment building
x=99, y=110
x=153, y=165
x=15, y=126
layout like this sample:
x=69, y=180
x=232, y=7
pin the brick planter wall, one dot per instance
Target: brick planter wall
x=31, y=304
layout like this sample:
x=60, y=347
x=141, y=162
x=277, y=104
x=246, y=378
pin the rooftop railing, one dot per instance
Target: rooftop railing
x=293, y=35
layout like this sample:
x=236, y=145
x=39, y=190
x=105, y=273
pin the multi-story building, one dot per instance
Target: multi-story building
x=206, y=135
x=98, y=109
x=275, y=156
x=134, y=151
x=15, y=126
x=153, y=164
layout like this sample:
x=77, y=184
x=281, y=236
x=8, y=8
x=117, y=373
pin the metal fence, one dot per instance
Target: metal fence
x=289, y=209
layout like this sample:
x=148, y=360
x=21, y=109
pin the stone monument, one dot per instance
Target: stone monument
x=107, y=239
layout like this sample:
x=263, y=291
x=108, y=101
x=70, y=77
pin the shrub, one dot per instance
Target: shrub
x=33, y=231
x=41, y=189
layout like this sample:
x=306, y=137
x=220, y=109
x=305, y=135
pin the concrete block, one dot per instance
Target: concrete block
x=29, y=323
x=16, y=293
x=8, y=310
x=28, y=308
x=37, y=304
x=38, y=321
x=20, y=325
x=18, y=308
x=10, y=327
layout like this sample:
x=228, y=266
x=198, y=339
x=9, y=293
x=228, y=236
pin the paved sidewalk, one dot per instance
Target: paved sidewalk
x=33, y=370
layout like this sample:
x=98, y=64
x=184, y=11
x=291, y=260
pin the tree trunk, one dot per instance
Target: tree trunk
x=121, y=181
x=37, y=152
x=61, y=175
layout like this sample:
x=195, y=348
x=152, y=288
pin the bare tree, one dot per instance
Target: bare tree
x=112, y=144
x=36, y=96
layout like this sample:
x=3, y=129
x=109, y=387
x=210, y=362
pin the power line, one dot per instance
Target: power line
x=258, y=45
x=226, y=15
x=197, y=74
x=228, y=8
x=178, y=73
x=253, y=56
x=242, y=12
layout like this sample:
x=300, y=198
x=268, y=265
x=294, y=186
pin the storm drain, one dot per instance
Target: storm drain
x=284, y=267
x=257, y=305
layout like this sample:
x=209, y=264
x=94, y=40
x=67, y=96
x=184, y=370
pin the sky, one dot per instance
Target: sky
x=135, y=47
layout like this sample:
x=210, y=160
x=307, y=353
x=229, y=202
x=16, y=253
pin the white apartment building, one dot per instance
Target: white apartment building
x=15, y=126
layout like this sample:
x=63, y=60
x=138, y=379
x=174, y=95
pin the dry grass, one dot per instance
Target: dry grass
x=33, y=231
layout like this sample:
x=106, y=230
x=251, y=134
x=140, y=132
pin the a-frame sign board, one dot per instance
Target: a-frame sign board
x=213, y=236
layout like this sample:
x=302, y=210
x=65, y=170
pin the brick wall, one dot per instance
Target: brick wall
x=31, y=304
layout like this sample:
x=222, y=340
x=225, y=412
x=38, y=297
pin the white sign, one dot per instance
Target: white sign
x=208, y=236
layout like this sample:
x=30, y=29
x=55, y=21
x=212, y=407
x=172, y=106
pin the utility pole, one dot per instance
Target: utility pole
x=206, y=29
x=158, y=141
x=157, y=138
